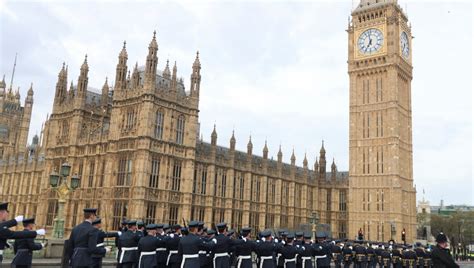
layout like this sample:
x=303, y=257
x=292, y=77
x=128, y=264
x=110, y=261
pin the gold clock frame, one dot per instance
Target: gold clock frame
x=358, y=32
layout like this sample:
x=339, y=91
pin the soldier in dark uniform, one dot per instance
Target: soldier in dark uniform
x=410, y=257
x=207, y=261
x=265, y=250
x=336, y=251
x=221, y=253
x=360, y=255
x=347, y=255
x=82, y=243
x=288, y=252
x=24, y=247
x=307, y=251
x=147, y=248
x=298, y=243
x=173, y=260
x=371, y=258
x=141, y=229
x=386, y=256
x=323, y=250
x=122, y=229
x=190, y=245
x=282, y=234
x=161, y=252
x=420, y=255
x=6, y=233
x=128, y=245
x=427, y=260
x=378, y=254
x=97, y=258
x=440, y=255
x=396, y=256
x=243, y=249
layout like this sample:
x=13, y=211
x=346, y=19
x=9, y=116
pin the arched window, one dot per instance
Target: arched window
x=180, y=130
x=159, y=125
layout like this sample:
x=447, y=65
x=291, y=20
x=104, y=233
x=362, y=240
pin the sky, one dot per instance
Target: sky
x=275, y=70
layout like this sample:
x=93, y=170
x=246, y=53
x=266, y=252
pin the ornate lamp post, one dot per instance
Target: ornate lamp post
x=59, y=183
x=314, y=220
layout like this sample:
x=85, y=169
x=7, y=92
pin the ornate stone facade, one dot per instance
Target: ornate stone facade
x=137, y=152
x=382, y=196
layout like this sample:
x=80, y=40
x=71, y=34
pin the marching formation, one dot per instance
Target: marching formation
x=195, y=246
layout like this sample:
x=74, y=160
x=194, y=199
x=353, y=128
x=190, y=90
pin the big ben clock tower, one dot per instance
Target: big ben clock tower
x=382, y=195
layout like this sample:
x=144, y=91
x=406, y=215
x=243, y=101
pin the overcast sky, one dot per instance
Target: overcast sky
x=274, y=69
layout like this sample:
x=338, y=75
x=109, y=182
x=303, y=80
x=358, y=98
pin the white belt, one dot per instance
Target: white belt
x=320, y=257
x=188, y=256
x=243, y=257
x=161, y=249
x=100, y=245
x=303, y=261
x=278, y=258
x=290, y=260
x=218, y=255
x=263, y=258
x=202, y=252
x=1, y=251
x=122, y=252
x=145, y=253
x=169, y=256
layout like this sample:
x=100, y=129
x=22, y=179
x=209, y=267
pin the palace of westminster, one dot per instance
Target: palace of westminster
x=137, y=151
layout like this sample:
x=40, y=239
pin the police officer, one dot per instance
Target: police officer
x=147, y=248
x=221, y=253
x=97, y=258
x=172, y=243
x=24, y=247
x=6, y=233
x=82, y=243
x=128, y=245
x=243, y=249
x=190, y=245
x=440, y=255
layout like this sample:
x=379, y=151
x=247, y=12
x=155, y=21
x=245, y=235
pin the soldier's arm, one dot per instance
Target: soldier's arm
x=206, y=245
x=22, y=234
x=93, y=236
x=8, y=224
x=32, y=245
x=111, y=234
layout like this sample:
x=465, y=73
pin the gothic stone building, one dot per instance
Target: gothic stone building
x=136, y=149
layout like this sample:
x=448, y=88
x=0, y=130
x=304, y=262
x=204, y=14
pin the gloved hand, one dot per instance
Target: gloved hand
x=283, y=242
x=108, y=249
x=43, y=245
x=276, y=240
x=19, y=218
x=119, y=233
x=263, y=239
x=172, y=235
x=214, y=240
x=41, y=232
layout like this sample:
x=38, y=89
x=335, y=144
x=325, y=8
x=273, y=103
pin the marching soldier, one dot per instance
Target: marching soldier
x=122, y=229
x=172, y=243
x=221, y=253
x=307, y=251
x=298, y=243
x=420, y=255
x=347, y=255
x=97, y=258
x=409, y=257
x=24, y=247
x=161, y=252
x=378, y=254
x=147, y=248
x=336, y=251
x=396, y=257
x=141, y=229
x=386, y=256
x=82, y=243
x=243, y=249
x=323, y=252
x=440, y=255
x=190, y=245
x=360, y=257
x=265, y=250
x=281, y=240
x=427, y=260
x=371, y=258
x=6, y=233
x=128, y=245
x=289, y=252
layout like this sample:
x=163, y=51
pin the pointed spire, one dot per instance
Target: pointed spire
x=232, y=141
x=104, y=99
x=196, y=77
x=121, y=69
x=214, y=136
x=305, y=161
x=153, y=43
x=316, y=165
x=166, y=71
x=135, y=80
x=2, y=83
x=293, y=157
x=151, y=64
x=83, y=81
x=85, y=66
x=174, y=81
x=17, y=93
x=249, y=146
x=123, y=52
x=197, y=63
x=322, y=151
x=30, y=91
x=265, y=151
x=280, y=155
x=333, y=165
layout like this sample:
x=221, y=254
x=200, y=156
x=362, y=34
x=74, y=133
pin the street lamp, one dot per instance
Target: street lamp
x=314, y=220
x=60, y=185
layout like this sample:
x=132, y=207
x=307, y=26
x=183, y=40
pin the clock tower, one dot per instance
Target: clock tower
x=382, y=196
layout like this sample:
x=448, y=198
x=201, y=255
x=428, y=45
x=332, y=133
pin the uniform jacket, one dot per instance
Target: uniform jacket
x=6, y=233
x=82, y=244
x=23, y=249
x=442, y=258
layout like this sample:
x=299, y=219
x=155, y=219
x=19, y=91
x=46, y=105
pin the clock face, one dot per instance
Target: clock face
x=370, y=41
x=404, y=45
